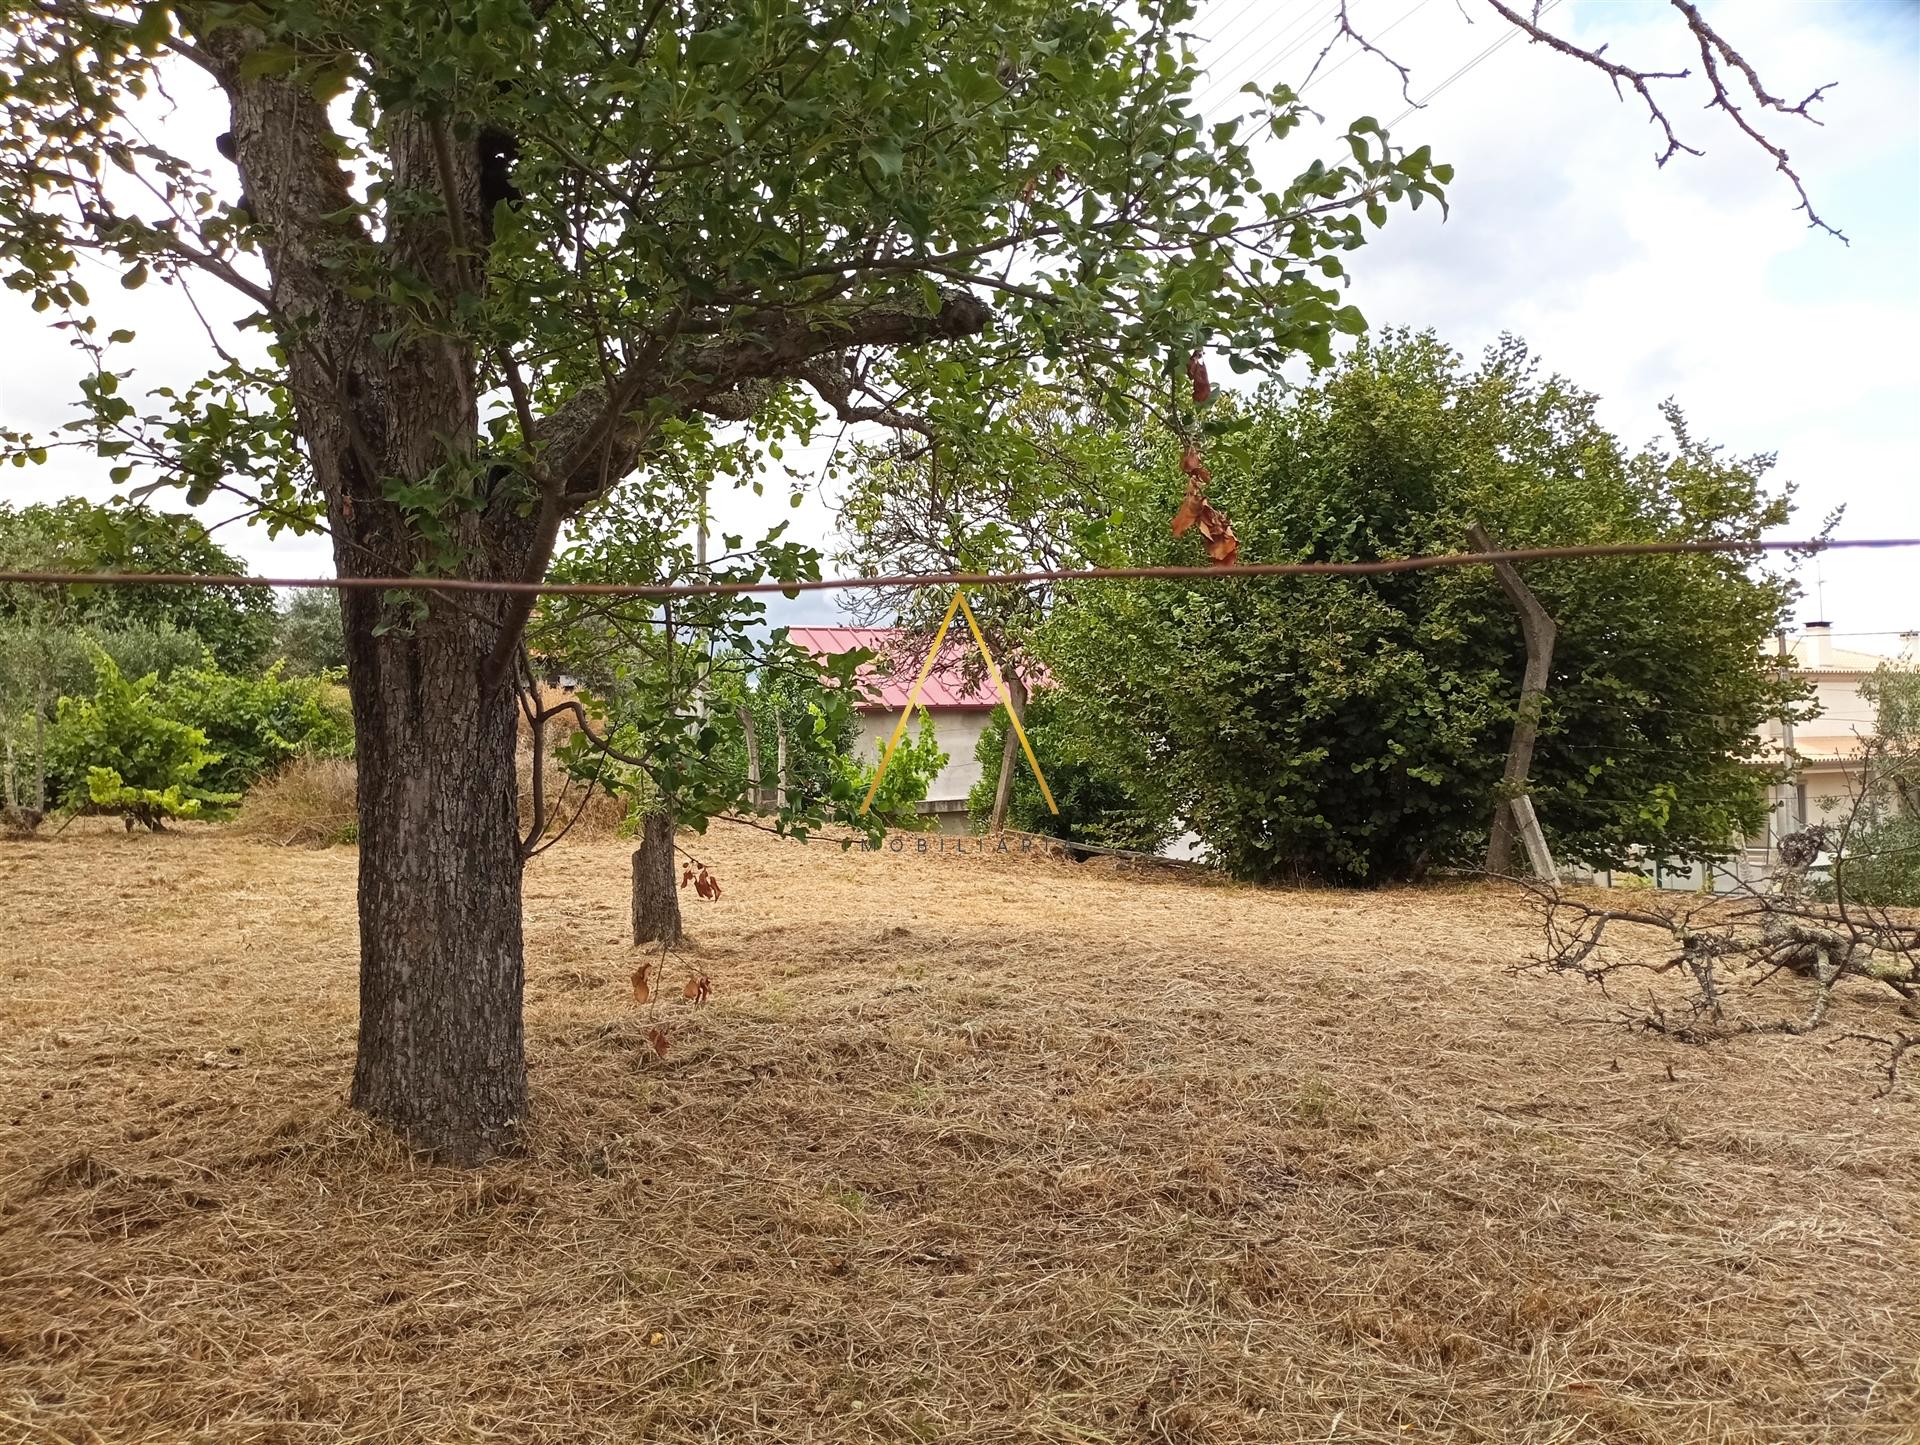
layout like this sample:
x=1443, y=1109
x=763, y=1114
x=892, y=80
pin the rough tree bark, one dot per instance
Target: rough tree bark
x=656, y=901
x=1009, y=751
x=441, y=1050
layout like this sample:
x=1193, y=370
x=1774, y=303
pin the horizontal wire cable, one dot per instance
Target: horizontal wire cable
x=1585, y=552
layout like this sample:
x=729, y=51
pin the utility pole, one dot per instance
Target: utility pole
x=1513, y=810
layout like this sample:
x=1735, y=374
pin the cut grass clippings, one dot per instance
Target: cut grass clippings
x=978, y=1149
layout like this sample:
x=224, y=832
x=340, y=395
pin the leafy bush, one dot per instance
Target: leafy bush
x=110, y=794
x=258, y=724
x=1095, y=806
x=309, y=638
x=235, y=623
x=1881, y=865
x=904, y=786
x=119, y=751
x=1354, y=728
x=1879, y=836
x=140, y=648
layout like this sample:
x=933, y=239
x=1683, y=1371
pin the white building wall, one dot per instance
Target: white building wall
x=1843, y=711
x=958, y=730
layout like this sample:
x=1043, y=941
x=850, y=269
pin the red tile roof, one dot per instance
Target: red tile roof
x=889, y=677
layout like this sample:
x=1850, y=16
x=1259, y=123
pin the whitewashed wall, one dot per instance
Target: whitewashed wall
x=958, y=730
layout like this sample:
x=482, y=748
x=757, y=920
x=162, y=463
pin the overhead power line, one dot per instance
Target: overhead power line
x=1585, y=552
x=1484, y=55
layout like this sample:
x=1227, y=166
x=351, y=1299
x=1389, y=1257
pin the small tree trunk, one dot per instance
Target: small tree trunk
x=754, y=800
x=40, y=749
x=1009, y=751
x=1539, y=632
x=780, y=764
x=656, y=902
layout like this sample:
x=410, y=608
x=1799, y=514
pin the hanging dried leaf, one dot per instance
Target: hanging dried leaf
x=698, y=989
x=705, y=884
x=642, y=990
x=686, y=875
x=1197, y=374
x=657, y=1041
x=1222, y=546
x=1195, y=510
x=1189, y=512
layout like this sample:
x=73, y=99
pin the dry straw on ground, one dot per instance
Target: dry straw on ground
x=310, y=804
x=965, y=1149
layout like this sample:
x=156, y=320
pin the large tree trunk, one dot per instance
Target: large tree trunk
x=441, y=1053
x=1003, y=786
x=656, y=902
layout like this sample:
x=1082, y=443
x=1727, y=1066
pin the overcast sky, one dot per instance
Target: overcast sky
x=1697, y=281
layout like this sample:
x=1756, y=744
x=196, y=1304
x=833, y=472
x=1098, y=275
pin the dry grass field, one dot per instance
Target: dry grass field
x=964, y=1149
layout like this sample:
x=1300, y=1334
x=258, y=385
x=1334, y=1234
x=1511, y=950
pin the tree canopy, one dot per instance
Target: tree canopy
x=236, y=624
x=1353, y=728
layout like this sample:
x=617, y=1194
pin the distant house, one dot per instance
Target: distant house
x=1827, y=749
x=1824, y=755
x=959, y=711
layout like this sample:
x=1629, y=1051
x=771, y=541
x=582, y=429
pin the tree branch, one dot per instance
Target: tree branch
x=593, y=440
x=1715, y=56
x=1615, y=72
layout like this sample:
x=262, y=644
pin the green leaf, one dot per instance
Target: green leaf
x=268, y=60
x=886, y=155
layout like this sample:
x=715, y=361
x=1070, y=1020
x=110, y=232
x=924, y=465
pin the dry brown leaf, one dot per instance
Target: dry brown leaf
x=642, y=990
x=1189, y=512
x=1197, y=374
x=1222, y=546
x=657, y=1041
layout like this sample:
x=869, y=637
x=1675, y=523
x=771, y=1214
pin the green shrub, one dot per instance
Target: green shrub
x=258, y=724
x=1879, y=835
x=110, y=794
x=309, y=638
x=904, y=786
x=119, y=751
x=1095, y=807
